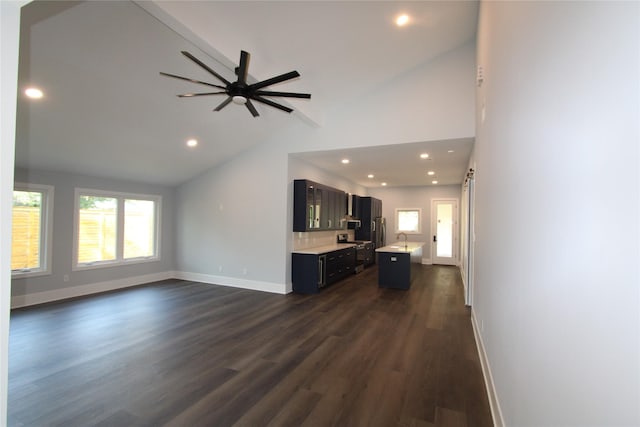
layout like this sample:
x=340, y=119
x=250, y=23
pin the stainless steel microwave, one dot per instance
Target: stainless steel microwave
x=353, y=224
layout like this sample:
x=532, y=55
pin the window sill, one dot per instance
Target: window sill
x=18, y=274
x=106, y=264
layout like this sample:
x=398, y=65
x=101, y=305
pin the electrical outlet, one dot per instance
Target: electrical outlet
x=480, y=75
x=244, y=271
x=65, y=278
x=219, y=269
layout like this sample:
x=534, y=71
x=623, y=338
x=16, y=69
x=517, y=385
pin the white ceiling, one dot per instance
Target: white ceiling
x=398, y=165
x=107, y=112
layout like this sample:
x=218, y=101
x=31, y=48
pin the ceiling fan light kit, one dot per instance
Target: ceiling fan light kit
x=240, y=92
x=239, y=99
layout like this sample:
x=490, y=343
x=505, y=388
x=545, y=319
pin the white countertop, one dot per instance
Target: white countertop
x=318, y=250
x=400, y=247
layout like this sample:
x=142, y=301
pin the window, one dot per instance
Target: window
x=31, y=230
x=139, y=228
x=115, y=228
x=408, y=220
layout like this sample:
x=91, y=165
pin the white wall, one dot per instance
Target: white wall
x=26, y=291
x=9, y=41
x=557, y=185
x=250, y=238
x=414, y=197
x=231, y=221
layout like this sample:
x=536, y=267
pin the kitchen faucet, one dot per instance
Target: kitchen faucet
x=405, y=238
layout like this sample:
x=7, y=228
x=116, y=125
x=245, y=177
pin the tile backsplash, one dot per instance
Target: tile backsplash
x=305, y=240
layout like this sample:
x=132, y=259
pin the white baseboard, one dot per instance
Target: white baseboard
x=111, y=285
x=494, y=404
x=426, y=261
x=92, y=288
x=234, y=282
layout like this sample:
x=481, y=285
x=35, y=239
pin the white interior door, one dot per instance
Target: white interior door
x=444, y=231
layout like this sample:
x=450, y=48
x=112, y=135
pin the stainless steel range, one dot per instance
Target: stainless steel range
x=361, y=253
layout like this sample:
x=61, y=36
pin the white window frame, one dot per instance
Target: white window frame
x=397, y=219
x=120, y=260
x=46, y=230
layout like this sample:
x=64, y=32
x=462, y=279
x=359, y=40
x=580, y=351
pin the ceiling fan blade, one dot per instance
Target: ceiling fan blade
x=242, y=69
x=273, y=80
x=203, y=65
x=288, y=94
x=223, y=104
x=191, y=80
x=251, y=108
x=190, y=95
x=271, y=103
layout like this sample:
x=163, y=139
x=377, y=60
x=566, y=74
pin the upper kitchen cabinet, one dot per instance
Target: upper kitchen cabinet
x=317, y=207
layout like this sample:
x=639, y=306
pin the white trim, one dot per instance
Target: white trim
x=455, y=245
x=426, y=261
x=127, y=282
x=83, y=290
x=397, y=220
x=46, y=229
x=120, y=216
x=274, y=288
x=494, y=403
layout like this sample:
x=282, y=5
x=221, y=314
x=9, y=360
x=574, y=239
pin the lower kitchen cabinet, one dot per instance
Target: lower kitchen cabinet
x=394, y=270
x=311, y=272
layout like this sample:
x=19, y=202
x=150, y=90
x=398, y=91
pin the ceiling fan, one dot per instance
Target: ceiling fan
x=240, y=92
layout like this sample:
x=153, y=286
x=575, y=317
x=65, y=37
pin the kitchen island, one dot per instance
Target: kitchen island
x=394, y=264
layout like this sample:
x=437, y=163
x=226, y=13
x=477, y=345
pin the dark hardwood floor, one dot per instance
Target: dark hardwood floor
x=189, y=354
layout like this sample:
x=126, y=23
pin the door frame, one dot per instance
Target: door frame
x=468, y=237
x=456, y=231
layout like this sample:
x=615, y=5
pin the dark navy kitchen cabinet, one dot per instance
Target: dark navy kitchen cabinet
x=311, y=272
x=317, y=206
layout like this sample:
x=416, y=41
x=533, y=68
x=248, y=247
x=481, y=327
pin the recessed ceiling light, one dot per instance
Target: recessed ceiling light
x=431, y=173
x=345, y=161
x=402, y=20
x=370, y=175
x=192, y=143
x=384, y=184
x=424, y=156
x=33, y=93
x=450, y=151
x=434, y=182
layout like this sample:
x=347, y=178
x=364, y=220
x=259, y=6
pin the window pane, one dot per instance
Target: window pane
x=139, y=228
x=26, y=230
x=97, y=229
x=409, y=221
x=444, y=216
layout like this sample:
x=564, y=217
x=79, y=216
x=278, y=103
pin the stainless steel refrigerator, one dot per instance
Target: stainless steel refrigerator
x=379, y=232
x=372, y=224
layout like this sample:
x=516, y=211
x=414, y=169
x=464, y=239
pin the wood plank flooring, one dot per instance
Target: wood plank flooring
x=182, y=353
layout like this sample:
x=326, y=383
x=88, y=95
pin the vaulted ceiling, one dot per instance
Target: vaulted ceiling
x=107, y=111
